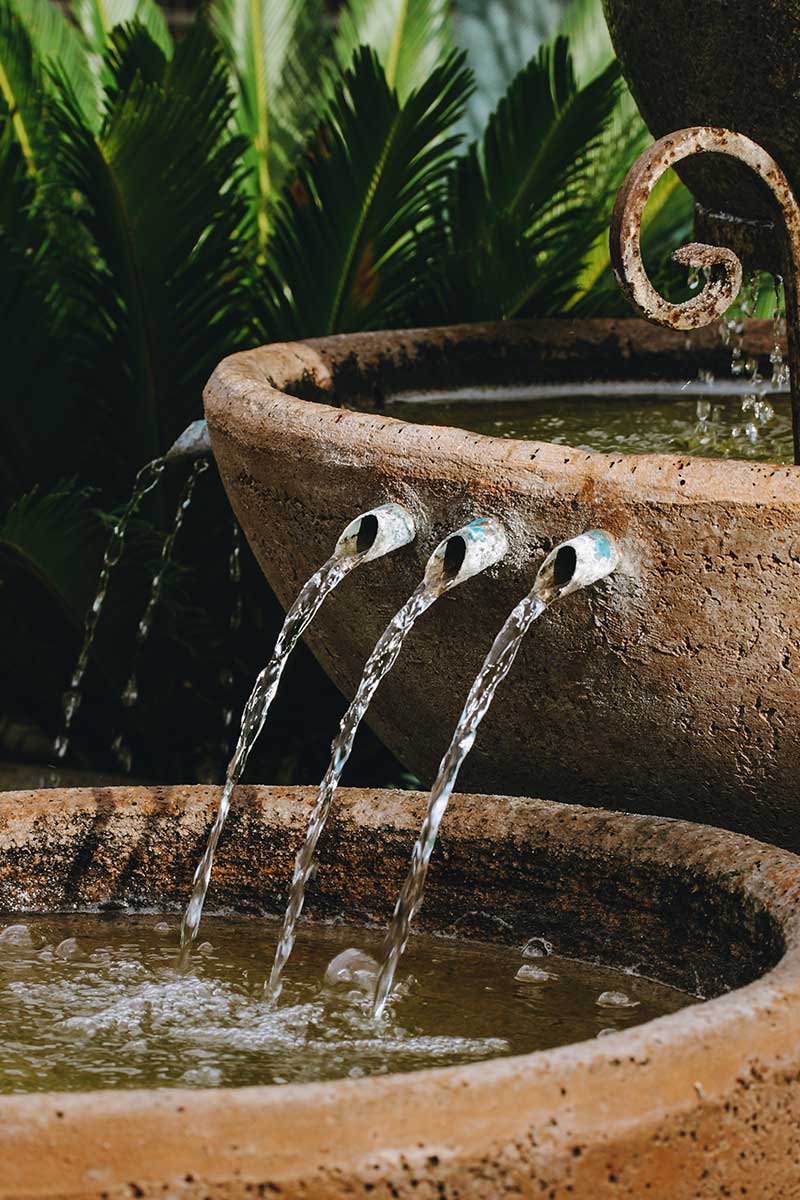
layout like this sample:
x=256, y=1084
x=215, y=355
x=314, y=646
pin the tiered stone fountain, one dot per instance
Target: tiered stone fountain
x=672, y=690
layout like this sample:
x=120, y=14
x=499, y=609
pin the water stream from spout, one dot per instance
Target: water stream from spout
x=145, y=481
x=561, y=573
x=388, y=528
x=471, y=549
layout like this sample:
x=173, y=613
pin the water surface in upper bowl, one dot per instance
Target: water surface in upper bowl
x=93, y=1001
x=711, y=421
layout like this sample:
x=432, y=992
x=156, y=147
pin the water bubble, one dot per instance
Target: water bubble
x=16, y=935
x=537, y=947
x=207, y=1077
x=67, y=949
x=162, y=927
x=605, y=1032
x=352, y=967
x=531, y=974
x=615, y=1000
x=205, y=948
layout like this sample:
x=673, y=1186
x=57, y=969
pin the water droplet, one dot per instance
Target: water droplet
x=537, y=947
x=615, y=1000
x=530, y=974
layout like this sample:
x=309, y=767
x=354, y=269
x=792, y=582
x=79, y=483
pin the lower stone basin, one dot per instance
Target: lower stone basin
x=673, y=688
x=699, y=1104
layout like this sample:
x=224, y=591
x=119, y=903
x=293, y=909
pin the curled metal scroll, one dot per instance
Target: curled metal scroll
x=724, y=269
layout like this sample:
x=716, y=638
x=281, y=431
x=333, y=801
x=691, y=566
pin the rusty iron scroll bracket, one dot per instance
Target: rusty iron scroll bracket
x=724, y=270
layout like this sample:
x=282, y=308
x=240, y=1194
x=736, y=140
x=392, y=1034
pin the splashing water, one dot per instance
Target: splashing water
x=145, y=481
x=571, y=566
x=368, y=537
x=131, y=692
x=465, y=553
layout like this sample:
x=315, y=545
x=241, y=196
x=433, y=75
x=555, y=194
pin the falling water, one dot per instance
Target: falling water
x=368, y=537
x=131, y=692
x=572, y=565
x=146, y=480
x=465, y=553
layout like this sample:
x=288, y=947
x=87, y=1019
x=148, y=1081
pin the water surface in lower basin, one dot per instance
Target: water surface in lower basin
x=93, y=1001
x=649, y=419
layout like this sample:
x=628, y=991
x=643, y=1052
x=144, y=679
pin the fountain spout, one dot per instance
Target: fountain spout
x=194, y=442
x=576, y=564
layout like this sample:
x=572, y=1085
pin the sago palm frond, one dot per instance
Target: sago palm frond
x=55, y=538
x=98, y=19
x=500, y=38
x=522, y=209
x=278, y=50
x=354, y=230
x=410, y=37
x=22, y=90
x=584, y=25
x=160, y=199
x=56, y=40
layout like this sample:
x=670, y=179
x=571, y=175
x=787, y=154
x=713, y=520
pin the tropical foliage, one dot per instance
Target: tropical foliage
x=273, y=173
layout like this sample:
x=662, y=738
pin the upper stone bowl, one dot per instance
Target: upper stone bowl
x=673, y=687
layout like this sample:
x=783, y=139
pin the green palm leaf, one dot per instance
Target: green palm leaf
x=55, y=538
x=522, y=208
x=410, y=37
x=162, y=205
x=354, y=229
x=278, y=50
x=97, y=19
x=500, y=37
x=21, y=89
x=56, y=40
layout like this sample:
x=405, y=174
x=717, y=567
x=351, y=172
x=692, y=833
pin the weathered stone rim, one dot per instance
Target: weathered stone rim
x=314, y=1134
x=270, y=388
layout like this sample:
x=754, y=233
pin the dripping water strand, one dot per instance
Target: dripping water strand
x=253, y=718
x=130, y=694
x=226, y=676
x=146, y=479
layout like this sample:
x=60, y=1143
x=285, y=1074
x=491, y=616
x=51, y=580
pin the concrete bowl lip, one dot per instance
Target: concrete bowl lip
x=250, y=396
x=705, y=1035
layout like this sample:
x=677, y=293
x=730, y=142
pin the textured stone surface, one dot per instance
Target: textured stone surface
x=670, y=688
x=698, y=1105
x=733, y=64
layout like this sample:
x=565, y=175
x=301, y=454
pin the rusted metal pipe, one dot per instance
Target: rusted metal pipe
x=724, y=268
